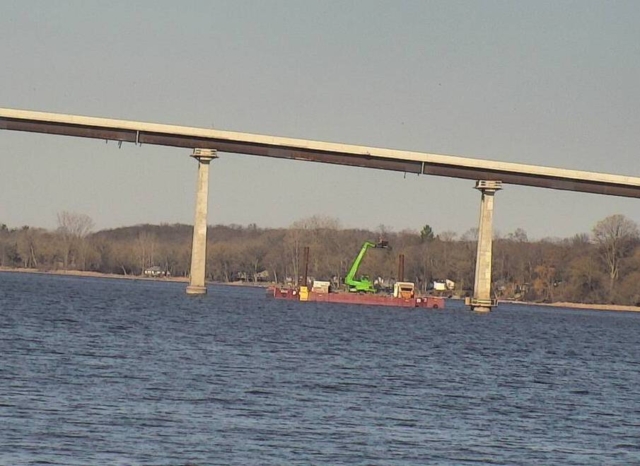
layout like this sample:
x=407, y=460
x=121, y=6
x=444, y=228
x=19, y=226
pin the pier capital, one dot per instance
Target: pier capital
x=488, y=186
x=204, y=155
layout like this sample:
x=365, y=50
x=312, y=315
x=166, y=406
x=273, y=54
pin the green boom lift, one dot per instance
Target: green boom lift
x=364, y=285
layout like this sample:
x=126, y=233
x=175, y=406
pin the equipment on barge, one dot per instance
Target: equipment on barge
x=360, y=291
x=364, y=284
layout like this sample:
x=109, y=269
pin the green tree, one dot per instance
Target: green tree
x=426, y=234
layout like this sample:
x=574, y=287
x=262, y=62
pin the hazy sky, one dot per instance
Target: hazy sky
x=551, y=83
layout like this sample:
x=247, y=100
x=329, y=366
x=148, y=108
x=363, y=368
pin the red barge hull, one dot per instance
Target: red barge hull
x=430, y=302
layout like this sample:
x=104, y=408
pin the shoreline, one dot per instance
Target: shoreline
x=79, y=273
x=115, y=276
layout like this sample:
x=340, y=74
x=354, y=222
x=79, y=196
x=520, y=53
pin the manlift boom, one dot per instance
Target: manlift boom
x=364, y=285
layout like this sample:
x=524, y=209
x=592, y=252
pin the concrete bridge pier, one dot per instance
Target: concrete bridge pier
x=199, y=249
x=482, y=300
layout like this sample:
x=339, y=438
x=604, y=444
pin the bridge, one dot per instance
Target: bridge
x=489, y=175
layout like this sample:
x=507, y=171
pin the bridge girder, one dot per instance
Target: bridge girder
x=323, y=152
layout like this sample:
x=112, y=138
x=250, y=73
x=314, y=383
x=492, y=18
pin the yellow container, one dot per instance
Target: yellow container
x=304, y=293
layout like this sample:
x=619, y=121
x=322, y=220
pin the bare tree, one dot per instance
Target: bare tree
x=615, y=236
x=73, y=229
x=519, y=235
x=317, y=232
x=146, y=245
x=27, y=245
x=470, y=235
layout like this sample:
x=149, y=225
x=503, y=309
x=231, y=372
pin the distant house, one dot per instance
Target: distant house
x=262, y=276
x=256, y=277
x=443, y=285
x=155, y=271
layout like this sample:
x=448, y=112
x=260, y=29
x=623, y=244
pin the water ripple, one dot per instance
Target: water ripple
x=136, y=373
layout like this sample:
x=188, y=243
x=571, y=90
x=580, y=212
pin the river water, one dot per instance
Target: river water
x=133, y=372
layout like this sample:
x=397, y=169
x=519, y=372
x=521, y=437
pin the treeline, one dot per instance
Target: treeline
x=600, y=267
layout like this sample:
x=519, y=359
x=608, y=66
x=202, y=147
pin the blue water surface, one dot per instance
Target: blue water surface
x=135, y=372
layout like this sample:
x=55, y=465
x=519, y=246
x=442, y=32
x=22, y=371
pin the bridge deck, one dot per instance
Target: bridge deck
x=316, y=151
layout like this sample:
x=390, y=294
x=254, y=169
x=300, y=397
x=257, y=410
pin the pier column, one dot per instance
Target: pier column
x=199, y=247
x=482, y=301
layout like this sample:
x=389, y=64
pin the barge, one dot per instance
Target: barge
x=360, y=291
x=430, y=302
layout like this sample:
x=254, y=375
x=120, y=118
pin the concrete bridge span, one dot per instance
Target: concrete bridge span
x=490, y=175
x=317, y=151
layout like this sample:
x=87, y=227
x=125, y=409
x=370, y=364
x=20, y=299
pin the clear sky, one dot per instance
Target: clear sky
x=540, y=82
